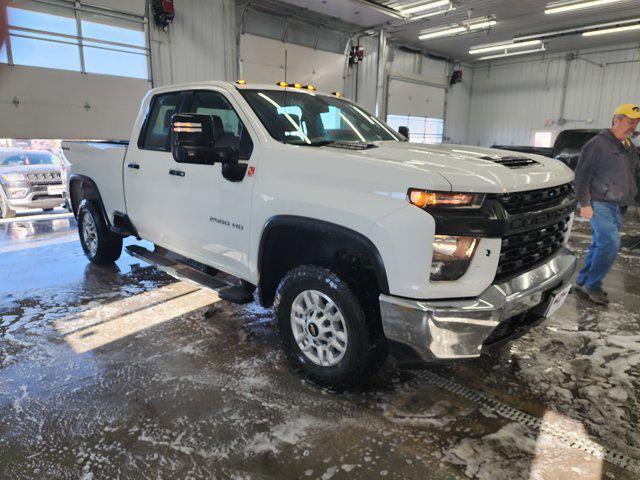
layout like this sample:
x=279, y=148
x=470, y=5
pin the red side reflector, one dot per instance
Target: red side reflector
x=251, y=171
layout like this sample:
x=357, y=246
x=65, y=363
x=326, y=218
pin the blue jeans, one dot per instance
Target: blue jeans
x=605, y=225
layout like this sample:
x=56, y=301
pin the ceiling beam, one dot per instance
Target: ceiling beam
x=381, y=8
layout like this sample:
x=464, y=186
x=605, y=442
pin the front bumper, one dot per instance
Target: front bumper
x=35, y=199
x=448, y=330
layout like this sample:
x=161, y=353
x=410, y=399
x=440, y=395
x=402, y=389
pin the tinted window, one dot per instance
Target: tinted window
x=28, y=159
x=156, y=135
x=228, y=129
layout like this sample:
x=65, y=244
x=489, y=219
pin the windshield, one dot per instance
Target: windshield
x=28, y=158
x=311, y=119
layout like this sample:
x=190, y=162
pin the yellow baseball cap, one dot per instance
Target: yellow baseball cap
x=628, y=109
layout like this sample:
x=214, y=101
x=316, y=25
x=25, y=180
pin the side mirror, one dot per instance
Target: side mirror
x=404, y=131
x=193, y=141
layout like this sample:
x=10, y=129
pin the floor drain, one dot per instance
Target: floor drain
x=569, y=438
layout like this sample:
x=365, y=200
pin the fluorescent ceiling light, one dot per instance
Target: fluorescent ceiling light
x=433, y=14
x=578, y=30
x=511, y=54
x=463, y=27
x=496, y=47
x=571, y=6
x=611, y=30
x=487, y=24
x=413, y=8
x=443, y=33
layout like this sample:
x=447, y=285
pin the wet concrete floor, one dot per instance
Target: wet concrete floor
x=125, y=372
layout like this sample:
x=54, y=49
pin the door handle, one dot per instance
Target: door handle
x=135, y=166
x=177, y=173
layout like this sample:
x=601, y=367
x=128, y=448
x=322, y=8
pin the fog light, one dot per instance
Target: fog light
x=451, y=256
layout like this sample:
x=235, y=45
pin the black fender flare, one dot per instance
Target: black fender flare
x=334, y=238
x=76, y=202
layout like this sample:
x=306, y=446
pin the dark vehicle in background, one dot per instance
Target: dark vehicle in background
x=566, y=148
x=29, y=179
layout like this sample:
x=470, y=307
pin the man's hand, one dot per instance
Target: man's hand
x=586, y=212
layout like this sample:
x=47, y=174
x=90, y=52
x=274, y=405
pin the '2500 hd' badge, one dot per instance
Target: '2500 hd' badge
x=226, y=223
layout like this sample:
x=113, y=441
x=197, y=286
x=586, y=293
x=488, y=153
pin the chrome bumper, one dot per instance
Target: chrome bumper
x=444, y=329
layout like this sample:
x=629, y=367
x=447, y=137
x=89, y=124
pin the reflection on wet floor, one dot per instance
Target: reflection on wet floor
x=124, y=372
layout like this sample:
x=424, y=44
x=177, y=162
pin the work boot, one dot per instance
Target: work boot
x=581, y=287
x=596, y=296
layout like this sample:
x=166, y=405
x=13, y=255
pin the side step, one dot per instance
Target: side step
x=230, y=293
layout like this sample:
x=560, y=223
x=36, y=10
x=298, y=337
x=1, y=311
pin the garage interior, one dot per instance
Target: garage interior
x=127, y=372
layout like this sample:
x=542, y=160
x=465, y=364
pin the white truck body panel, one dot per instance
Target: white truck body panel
x=101, y=162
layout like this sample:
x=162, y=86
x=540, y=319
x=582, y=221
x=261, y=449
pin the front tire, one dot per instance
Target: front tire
x=5, y=211
x=324, y=329
x=101, y=246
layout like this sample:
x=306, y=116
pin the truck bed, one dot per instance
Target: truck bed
x=102, y=162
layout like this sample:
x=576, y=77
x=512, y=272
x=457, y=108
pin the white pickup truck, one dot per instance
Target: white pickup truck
x=358, y=238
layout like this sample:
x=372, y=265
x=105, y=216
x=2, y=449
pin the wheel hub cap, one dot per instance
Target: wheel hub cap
x=319, y=328
x=89, y=233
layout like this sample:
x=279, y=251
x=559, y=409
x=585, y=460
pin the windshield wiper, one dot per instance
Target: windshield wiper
x=353, y=145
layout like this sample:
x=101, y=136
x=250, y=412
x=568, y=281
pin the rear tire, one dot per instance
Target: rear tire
x=100, y=245
x=324, y=329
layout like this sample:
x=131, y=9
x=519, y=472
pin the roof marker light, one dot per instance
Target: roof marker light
x=337, y=94
x=241, y=82
x=283, y=84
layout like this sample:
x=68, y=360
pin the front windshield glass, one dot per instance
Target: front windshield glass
x=28, y=158
x=311, y=119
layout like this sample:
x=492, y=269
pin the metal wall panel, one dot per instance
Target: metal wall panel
x=367, y=73
x=458, y=108
x=199, y=45
x=511, y=100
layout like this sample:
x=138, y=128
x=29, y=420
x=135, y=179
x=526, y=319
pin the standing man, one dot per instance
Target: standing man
x=605, y=186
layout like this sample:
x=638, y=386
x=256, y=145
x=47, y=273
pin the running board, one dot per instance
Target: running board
x=181, y=271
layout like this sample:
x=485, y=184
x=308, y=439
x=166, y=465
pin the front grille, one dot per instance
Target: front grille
x=512, y=162
x=43, y=177
x=535, y=200
x=522, y=251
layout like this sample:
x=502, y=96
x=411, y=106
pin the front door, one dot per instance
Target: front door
x=213, y=212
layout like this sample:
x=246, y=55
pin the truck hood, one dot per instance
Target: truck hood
x=472, y=169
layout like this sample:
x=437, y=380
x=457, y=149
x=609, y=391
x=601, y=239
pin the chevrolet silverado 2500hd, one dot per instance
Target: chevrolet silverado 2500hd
x=355, y=236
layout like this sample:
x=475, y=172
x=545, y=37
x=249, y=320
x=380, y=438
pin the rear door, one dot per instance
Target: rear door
x=149, y=189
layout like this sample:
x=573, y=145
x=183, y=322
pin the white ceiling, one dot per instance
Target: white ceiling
x=515, y=17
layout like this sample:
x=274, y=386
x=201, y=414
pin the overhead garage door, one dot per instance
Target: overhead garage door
x=418, y=104
x=73, y=70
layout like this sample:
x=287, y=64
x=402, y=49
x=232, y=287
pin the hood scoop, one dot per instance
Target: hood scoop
x=512, y=162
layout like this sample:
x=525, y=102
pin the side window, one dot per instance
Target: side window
x=228, y=129
x=158, y=125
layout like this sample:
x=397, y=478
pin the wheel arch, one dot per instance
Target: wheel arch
x=288, y=241
x=81, y=188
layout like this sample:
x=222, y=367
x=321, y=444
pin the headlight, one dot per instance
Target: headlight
x=451, y=256
x=13, y=177
x=426, y=200
x=17, y=192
